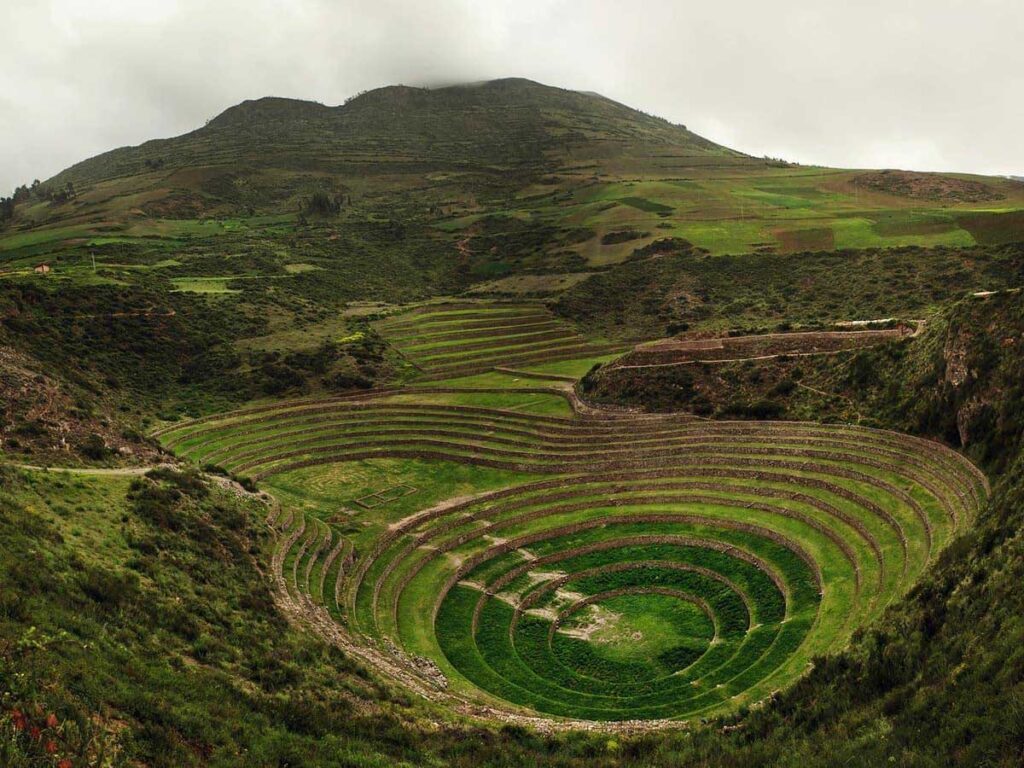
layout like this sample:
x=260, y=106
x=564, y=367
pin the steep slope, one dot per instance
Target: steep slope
x=959, y=380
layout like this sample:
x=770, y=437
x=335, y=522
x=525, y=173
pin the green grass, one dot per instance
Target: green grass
x=465, y=339
x=770, y=208
x=204, y=284
x=645, y=627
x=86, y=586
x=329, y=491
x=575, y=368
x=539, y=403
x=670, y=544
x=37, y=237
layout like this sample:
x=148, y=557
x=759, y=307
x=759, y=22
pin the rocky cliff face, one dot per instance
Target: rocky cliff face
x=982, y=385
x=955, y=355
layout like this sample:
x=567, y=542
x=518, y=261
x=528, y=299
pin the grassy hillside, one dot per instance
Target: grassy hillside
x=561, y=178
x=505, y=124
x=677, y=289
x=958, y=380
x=499, y=400
x=162, y=576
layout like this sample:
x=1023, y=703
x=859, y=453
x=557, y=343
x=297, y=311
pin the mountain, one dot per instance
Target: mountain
x=502, y=124
x=583, y=179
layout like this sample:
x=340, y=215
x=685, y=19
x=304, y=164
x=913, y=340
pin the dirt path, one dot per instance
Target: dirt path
x=710, y=344
x=986, y=294
x=151, y=312
x=823, y=393
x=535, y=374
x=462, y=246
x=729, y=360
x=99, y=471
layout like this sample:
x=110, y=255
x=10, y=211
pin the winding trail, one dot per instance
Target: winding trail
x=98, y=471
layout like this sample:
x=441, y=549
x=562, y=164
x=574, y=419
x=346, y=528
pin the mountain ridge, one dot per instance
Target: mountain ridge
x=499, y=122
x=566, y=178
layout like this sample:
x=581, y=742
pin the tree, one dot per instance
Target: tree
x=60, y=196
x=322, y=204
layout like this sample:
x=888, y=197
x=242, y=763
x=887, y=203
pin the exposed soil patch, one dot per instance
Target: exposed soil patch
x=40, y=417
x=927, y=186
x=798, y=240
x=177, y=205
x=994, y=228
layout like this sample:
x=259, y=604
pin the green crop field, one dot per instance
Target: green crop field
x=456, y=339
x=585, y=565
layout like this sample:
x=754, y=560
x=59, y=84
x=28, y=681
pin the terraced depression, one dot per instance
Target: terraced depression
x=497, y=544
x=490, y=423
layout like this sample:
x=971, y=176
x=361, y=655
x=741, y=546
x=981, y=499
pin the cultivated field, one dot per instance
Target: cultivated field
x=513, y=552
x=456, y=339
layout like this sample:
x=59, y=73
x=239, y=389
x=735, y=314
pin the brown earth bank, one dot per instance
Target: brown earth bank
x=45, y=419
x=927, y=186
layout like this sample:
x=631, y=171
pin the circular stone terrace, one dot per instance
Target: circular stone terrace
x=634, y=568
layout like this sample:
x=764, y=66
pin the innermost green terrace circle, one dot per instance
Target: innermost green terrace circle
x=661, y=632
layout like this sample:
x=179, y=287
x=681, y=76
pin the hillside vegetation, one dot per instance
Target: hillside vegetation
x=959, y=380
x=502, y=425
x=100, y=568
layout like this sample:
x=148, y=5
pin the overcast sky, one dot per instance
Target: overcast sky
x=920, y=84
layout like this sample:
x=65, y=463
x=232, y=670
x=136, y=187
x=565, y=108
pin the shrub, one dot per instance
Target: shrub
x=109, y=589
x=322, y=204
x=783, y=388
x=342, y=381
x=621, y=236
x=94, y=447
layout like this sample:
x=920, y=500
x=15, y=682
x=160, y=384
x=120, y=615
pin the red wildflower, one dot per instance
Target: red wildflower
x=35, y=733
x=51, y=746
x=65, y=763
x=20, y=722
x=51, y=720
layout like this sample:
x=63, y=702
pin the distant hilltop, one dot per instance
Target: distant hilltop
x=495, y=126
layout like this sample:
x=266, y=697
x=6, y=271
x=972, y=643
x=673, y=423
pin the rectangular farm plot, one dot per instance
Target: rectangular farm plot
x=467, y=338
x=374, y=500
